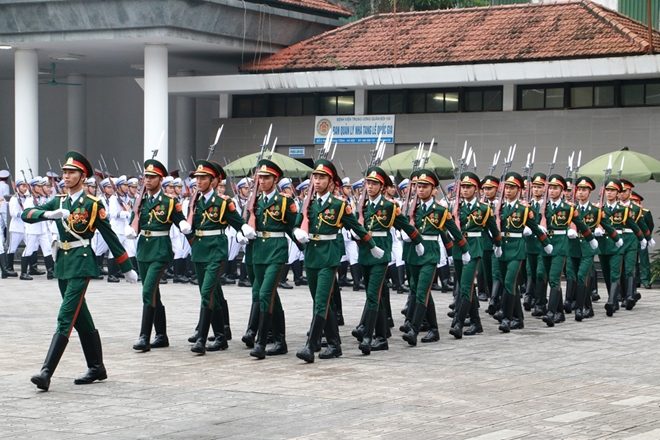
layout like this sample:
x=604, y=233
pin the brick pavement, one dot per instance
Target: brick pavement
x=591, y=380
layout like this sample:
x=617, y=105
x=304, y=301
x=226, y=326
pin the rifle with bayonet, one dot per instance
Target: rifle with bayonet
x=137, y=207
x=420, y=162
x=123, y=206
x=195, y=195
x=35, y=199
x=551, y=166
x=606, y=175
x=323, y=153
x=463, y=164
x=530, y=168
x=376, y=159
x=11, y=180
x=576, y=170
x=491, y=170
x=254, y=195
x=500, y=190
x=56, y=188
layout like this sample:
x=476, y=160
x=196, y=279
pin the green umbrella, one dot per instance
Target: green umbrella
x=637, y=167
x=245, y=165
x=402, y=164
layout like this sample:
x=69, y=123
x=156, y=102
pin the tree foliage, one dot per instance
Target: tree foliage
x=365, y=8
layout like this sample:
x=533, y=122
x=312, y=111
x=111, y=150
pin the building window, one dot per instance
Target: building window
x=435, y=101
x=638, y=94
x=299, y=104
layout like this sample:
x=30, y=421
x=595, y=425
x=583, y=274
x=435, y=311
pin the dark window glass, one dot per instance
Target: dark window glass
x=451, y=102
x=492, y=100
x=604, y=96
x=258, y=107
x=473, y=101
x=293, y=106
x=653, y=94
x=277, y=106
x=632, y=94
x=532, y=99
x=243, y=108
x=435, y=102
x=396, y=103
x=582, y=97
x=328, y=105
x=554, y=98
x=380, y=103
x=309, y=106
x=345, y=105
x=417, y=102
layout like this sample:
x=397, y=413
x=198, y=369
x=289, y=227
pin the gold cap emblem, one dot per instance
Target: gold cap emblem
x=264, y=168
x=320, y=167
x=150, y=167
x=373, y=174
x=69, y=160
x=423, y=176
x=200, y=168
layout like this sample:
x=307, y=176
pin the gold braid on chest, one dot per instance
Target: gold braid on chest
x=517, y=221
x=215, y=214
x=331, y=217
x=382, y=219
x=275, y=212
x=154, y=214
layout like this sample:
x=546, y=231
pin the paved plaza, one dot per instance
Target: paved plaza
x=597, y=379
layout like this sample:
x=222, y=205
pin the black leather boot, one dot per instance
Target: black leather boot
x=410, y=312
x=193, y=338
x=243, y=280
x=629, y=301
x=528, y=301
x=148, y=314
x=307, y=353
x=457, y=326
x=475, y=320
x=259, y=350
x=160, y=326
x=588, y=311
x=91, y=345
x=401, y=278
x=298, y=277
x=3, y=266
x=99, y=261
x=570, y=296
x=418, y=317
x=331, y=330
x=10, y=266
x=540, y=308
x=369, y=326
x=381, y=330
x=507, y=307
x=55, y=351
x=282, y=283
x=493, y=304
x=225, y=315
x=279, y=331
x=580, y=297
x=50, y=267
x=112, y=271
x=610, y=306
x=34, y=269
x=25, y=262
x=180, y=271
x=356, y=273
x=205, y=315
x=518, y=321
x=553, y=304
x=434, y=334
x=218, y=325
x=253, y=325
x=342, y=273
x=482, y=288
x=445, y=278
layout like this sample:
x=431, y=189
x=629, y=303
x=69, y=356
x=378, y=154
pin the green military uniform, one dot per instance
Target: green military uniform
x=581, y=254
x=77, y=220
x=516, y=218
x=380, y=215
x=644, y=271
x=475, y=219
x=560, y=215
x=156, y=214
x=489, y=268
x=431, y=219
x=326, y=216
x=212, y=215
x=534, y=250
x=275, y=217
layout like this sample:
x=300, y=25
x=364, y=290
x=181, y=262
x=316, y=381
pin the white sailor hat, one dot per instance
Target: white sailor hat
x=20, y=181
x=393, y=179
x=450, y=187
x=4, y=174
x=52, y=174
x=168, y=180
x=44, y=181
x=346, y=181
x=177, y=182
x=303, y=185
x=61, y=184
x=36, y=181
x=243, y=182
x=223, y=182
x=90, y=181
x=284, y=182
x=105, y=182
x=133, y=181
x=120, y=180
x=192, y=183
x=358, y=184
x=403, y=184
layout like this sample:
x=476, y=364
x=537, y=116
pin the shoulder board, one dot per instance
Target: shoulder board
x=96, y=199
x=523, y=203
x=646, y=210
x=61, y=195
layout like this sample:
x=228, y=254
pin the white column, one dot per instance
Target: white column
x=77, y=114
x=185, y=128
x=155, y=102
x=26, y=109
x=360, y=102
x=508, y=97
x=225, y=106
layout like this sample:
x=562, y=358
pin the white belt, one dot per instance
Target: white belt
x=154, y=233
x=558, y=232
x=625, y=230
x=66, y=245
x=472, y=234
x=429, y=237
x=512, y=234
x=322, y=237
x=379, y=233
x=268, y=234
x=209, y=233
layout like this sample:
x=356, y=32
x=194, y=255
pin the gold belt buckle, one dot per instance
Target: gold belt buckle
x=65, y=245
x=551, y=232
x=199, y=233
x=465, y=234
x=265, y=234
x=507, y=234
x=316, y=237
x=147, y=233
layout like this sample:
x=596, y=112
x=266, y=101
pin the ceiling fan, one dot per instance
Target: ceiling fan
x=54, y=82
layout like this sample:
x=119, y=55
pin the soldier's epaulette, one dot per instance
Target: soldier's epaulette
x=523, y=203
x=61, y=195
x=94, y=198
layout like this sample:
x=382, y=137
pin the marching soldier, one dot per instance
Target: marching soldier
x=516, y=220
x=275, y=216
x=431, y=218
x=475, y=218
x=212, y=215
x=489, y=266
x=534, y=249
x=78, y=215
x=326, y=215
x=644, y=261
x=36, y=236
x=16, y=226
x=156, y=213
x=380, y=215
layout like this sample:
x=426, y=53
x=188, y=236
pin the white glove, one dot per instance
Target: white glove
x=301, y=236
x=377, y=252
x=527, y=232
x=643, y=243
x=593, y=243
x=125, y=214
x=619, y=243
x=598, y=232
x=58, y=213
x=498, y=251
x=185, y=227
x=651, y=243
x=419, y=248
x=131, y=276
x=248, y=232
x=466, y=258
x=240, y=238
x=405, y=237
x=548, y=249
x=129, y=232
x=571, y=234
x=543, y=229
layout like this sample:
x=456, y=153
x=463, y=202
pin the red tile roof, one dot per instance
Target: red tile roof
x=327, y=6
x=494, y=34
